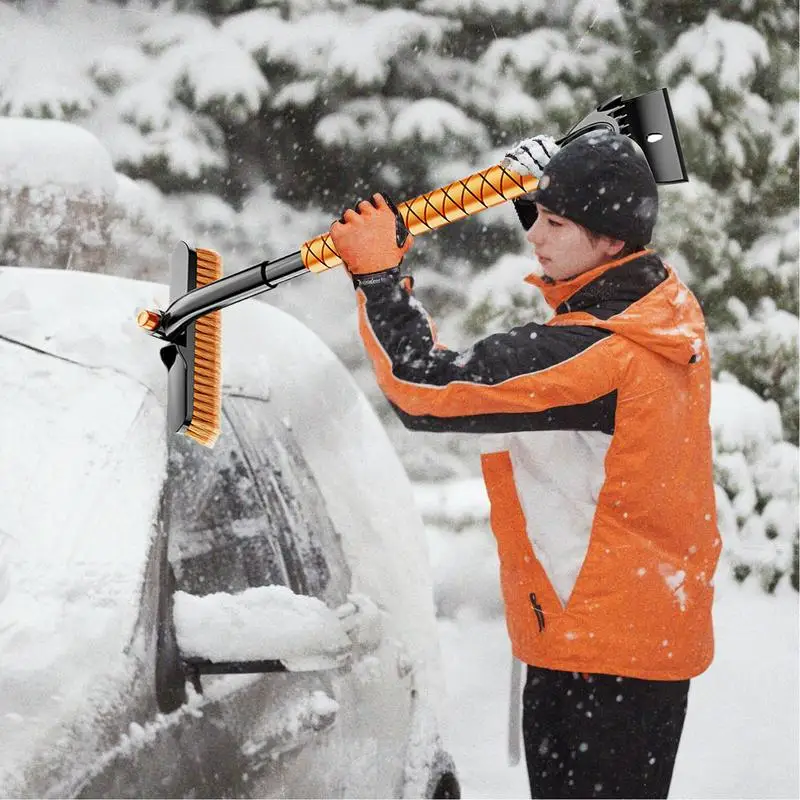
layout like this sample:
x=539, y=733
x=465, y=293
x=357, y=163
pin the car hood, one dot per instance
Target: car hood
x=80, y=479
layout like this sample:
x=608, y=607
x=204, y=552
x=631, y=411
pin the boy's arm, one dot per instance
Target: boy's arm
x=532, y=377
x=522, y=375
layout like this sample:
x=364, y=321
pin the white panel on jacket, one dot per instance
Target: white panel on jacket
x=559, y=475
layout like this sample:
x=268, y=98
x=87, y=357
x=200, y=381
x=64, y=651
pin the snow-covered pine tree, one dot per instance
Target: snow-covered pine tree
x=756, y=472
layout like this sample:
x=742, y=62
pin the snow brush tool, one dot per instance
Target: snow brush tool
x=191, y=323
x=194, y=356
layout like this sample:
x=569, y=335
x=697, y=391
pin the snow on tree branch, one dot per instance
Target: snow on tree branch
x=727, y=50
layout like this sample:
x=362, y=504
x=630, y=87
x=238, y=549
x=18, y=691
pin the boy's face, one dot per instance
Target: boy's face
x=564, y=248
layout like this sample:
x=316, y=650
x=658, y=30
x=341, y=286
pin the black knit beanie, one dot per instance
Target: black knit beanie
x=601, y=180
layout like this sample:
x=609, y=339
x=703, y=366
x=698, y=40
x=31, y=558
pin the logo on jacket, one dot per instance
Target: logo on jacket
x=537, y=610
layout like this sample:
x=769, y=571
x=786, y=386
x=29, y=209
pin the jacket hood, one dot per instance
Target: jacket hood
x=638, y=297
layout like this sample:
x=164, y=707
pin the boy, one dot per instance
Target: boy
x=597, y=460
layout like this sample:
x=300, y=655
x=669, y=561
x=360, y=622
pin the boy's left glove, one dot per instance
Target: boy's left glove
x=530, y=156
x=372, y=238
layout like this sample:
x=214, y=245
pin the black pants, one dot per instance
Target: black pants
x=600, y=735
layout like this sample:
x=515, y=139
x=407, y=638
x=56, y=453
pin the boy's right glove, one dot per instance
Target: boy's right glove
x=530, y=156
x=372, y=238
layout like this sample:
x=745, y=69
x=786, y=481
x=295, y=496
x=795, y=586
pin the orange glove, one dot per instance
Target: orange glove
x=373, y=238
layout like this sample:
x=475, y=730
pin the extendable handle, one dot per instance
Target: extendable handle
x=432, y=210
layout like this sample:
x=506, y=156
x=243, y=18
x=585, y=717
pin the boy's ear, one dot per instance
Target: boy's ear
x=616, y=246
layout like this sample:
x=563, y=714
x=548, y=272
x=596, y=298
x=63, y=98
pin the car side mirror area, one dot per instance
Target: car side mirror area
x=270, y=629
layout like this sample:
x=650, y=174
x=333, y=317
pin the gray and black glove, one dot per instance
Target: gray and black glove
x=530, y=157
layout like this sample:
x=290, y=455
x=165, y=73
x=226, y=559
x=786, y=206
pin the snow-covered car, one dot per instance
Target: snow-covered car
x=252, y=620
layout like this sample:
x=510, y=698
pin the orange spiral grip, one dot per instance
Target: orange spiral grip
x=457, y=200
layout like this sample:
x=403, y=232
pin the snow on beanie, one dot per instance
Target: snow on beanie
x=601, y=180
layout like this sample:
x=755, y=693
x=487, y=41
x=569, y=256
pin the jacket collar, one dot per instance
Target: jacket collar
x=557, y=292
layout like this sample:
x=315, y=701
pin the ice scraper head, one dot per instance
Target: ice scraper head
x=648, y=120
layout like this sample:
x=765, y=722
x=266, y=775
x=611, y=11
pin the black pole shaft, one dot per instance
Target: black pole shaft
x=229, y=290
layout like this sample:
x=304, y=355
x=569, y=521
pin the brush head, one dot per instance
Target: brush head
x=206, y=396
x=193, y=355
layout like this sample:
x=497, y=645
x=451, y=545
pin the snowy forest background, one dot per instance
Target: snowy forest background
x=248, y=125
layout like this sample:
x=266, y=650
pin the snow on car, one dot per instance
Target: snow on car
x=252, y=620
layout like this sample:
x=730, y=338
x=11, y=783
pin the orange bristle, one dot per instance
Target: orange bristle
x=207, y=398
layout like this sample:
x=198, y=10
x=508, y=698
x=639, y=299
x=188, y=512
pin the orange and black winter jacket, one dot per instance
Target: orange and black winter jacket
x=596, y=458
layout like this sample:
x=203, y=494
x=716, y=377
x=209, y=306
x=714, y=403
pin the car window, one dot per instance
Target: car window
x=248, y=512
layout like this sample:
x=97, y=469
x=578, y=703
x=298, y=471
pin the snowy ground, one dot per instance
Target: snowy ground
x=741, y=734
